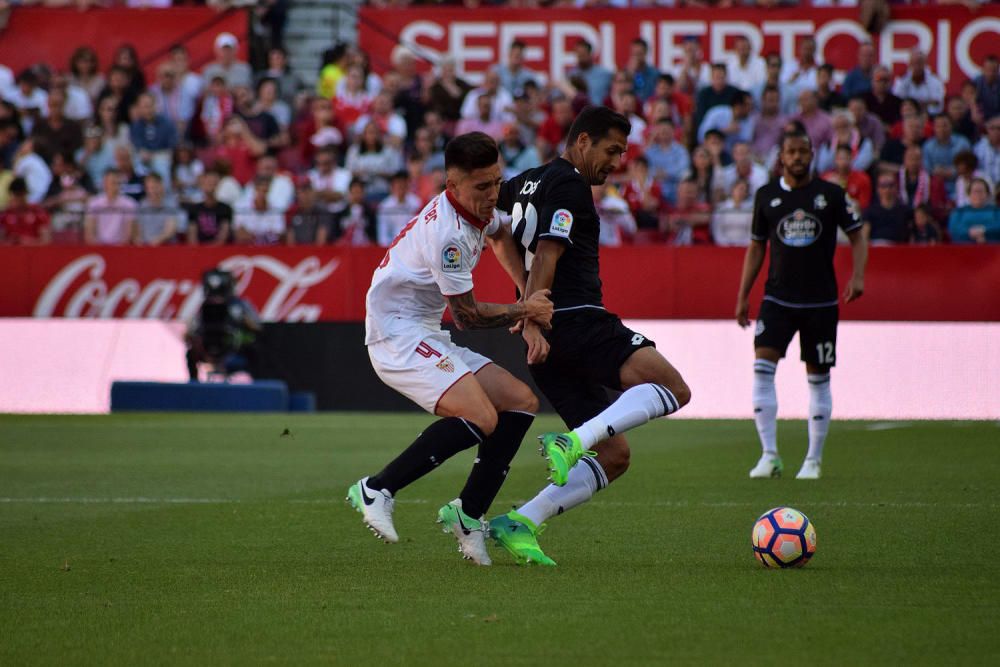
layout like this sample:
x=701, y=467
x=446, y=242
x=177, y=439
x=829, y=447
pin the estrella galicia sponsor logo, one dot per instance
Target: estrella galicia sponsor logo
x=562, y=223
x=451, y=259
x=799, y=229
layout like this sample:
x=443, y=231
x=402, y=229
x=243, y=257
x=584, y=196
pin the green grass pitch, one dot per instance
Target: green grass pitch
x=198, y=540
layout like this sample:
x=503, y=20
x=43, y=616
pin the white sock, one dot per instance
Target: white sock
x=585, y=479
x=634, y=407
x=820, y=409
x=765, y=405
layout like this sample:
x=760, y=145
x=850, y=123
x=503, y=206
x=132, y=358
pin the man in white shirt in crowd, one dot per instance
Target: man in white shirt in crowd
x=396, y=210
x=329, y=181
x=919, y=83
x=259, y=224
x=746, y=68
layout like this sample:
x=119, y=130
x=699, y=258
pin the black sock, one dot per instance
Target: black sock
x=438, y=443
x=490, y=469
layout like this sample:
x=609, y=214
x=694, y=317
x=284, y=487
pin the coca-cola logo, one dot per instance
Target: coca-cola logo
x=179, y=299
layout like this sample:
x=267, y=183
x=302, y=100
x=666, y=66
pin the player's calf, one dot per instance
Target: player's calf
x=614, y=455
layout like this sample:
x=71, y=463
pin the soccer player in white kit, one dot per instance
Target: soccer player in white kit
x=428, y=266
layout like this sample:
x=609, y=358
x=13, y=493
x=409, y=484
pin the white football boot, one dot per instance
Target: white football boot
x=770, y=465
x=809, y=470
x=376, y=509
x=470, y=533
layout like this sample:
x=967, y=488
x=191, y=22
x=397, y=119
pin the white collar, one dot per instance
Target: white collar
x=784, y=185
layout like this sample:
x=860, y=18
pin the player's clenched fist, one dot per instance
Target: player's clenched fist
x=538, y=308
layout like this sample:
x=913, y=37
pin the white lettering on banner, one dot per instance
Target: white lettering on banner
x=561, y=55
x=963, y=45
x=889, y=53
x=460, y=32
x=94, y=298
x=671, y=54
x=723, y=29
x=412, y=33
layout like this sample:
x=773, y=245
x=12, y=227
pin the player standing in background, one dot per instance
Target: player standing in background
x=799, y=216
x=429, y=265
x=588, y=349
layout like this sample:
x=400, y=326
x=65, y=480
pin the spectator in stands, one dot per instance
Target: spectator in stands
x=940, y=151
x=78, y=107
x=110, y=217
x=159, y=218
x=268, y=102
x=318, y=130
x=502, y=100
x=818, y=124
x=67, y=195
x=914, y=181
x=979, y=222
x=966, y=169
x=288, y=83
x=235, y=72
x=891, y=157
x=191, y=83
x=373, y=161
x=734, y=121
x=513, y=73
x=745, y=66
x=240, y=148
x=126, y=58
x=328, y=181
x=30, y=166
x=258, y=223
x=353, y=99
x=643, y=74
x=214, y=110
x=597, y=77
x=261, y=123
x=826, y=93
x=881, y=100
x=187, y=170
x=845, y=134
x=280, y=190
x=517, y=156
x=85, y=71
x=448, y=91
x=668, y=161
x=23, y=223
x=331, y=70
x=846, y=175
x=113, y=130
x=688, y=221
x=926, y=230
x=552, y=133
x=355, y=225
x=988, y=87
x=718, y=93
x=772, y=79
x=397, y=209
x=120, y=91
x=28, y=98
x=859, y=80
x=887, y=220
x=744, y=169
x=56, y=133
x=170, y=98
x=131, y=181
x=693, y=73
x=667, y=102
x=919, y=83
x=424, y=147
x=868, y=124
x=800, y=74
x=768, y=124
x=987, y=150
x=97, y=155
x=483, y=122
x=209, y=221
x=154, y=136
x=617, y=223
x=309, y=220
x=703, y=174
x=643, y=194
x=961, y=118
x=383, y=116
x=405, y=87
x=732, y=218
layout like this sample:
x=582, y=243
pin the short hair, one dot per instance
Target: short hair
x=640, y=159
x=518, y=44
x=770, y=89
x=715, y=133
x=967, y=158
x=597, y=122
x=826, y=67
x=721, y=66
x=639, y=41
x=585, y=44
x=860, y=97
x=739, y=97
x=795, y=133
x=401, y=175
x=18, y=186
x=666, y=77
x=471, y=151
x=844, y=147
x=945, y=116
x=154, y=177
x=991, y=57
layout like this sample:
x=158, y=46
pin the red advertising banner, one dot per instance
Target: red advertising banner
x=956, y=38
x=50, y=35
x=307, y=284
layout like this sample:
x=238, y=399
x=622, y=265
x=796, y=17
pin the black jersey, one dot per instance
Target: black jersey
x=553, y=202
x=801, y=227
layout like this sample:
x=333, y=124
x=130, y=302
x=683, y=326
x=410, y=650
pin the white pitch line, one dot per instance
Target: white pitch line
x=142, y=500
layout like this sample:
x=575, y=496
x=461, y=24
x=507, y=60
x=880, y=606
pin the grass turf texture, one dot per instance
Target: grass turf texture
x=180, y=539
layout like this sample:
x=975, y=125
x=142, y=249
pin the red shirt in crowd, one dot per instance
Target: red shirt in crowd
x=858, y=186
x=24, y=225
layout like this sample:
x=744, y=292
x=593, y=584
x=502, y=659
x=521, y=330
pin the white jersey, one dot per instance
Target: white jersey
x=431, y=258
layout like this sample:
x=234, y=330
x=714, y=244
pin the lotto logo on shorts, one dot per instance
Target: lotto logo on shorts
x=562, y=223
x=446, y=365
x=451, y=258
x=760, y=328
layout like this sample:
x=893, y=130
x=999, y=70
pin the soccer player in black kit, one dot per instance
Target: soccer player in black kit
x=588, y=349
x=798, y=215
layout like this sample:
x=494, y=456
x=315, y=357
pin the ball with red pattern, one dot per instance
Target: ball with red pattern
x=783, y=537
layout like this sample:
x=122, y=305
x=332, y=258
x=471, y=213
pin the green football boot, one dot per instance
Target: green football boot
x=519, y=536
x=562, y=451
x=471, y=533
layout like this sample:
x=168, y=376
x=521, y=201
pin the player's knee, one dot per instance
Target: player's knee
x=485, y=418
x=525, y=400
x=682, y=393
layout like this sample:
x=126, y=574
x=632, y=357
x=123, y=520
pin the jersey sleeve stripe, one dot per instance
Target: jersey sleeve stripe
x=854, y=226
x=548, y=235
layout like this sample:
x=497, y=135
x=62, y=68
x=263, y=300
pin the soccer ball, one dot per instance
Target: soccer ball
x=783, y=537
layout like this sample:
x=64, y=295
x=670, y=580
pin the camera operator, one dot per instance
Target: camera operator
x=225, y=330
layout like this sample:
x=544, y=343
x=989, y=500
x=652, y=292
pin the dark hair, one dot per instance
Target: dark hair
x=585, y=44
x=112, y=171
x=18, y=186
x=796, y=133
x=715, y=133
x=739, y=97
x=769, y=89
x=471, y=151
x=356, y=181
x=175, y=48
x=640, y=159
x=826, y=67
x=844, y=147
x=966, y=157
x=860, y=97
x=81, y=52
x=518, y=44
x=639, y=41
x=268, y=79
x=597, y=123
x=154, y=176
x=401, y=175
x=945, y=116
x=991, y=56
x=668, y=78
x=721, y=66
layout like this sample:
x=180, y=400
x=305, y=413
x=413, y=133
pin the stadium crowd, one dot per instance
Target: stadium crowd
x=94, y=153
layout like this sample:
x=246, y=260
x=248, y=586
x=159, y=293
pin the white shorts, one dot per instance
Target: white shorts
x=422, y=364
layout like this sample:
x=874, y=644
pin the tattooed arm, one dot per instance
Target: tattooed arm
x=470, y=314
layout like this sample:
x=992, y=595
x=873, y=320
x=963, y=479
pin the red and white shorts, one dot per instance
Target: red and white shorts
x=423, y=364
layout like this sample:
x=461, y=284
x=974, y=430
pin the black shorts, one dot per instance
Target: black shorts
x=587, y=349
x=817, y=327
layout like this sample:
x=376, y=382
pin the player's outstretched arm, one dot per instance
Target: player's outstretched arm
x=859, y=256
x=504, y=247
x=752, y=262
x=543, y=272
x=470, y=314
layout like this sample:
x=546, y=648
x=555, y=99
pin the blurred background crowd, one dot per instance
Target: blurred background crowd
x=246, y=153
